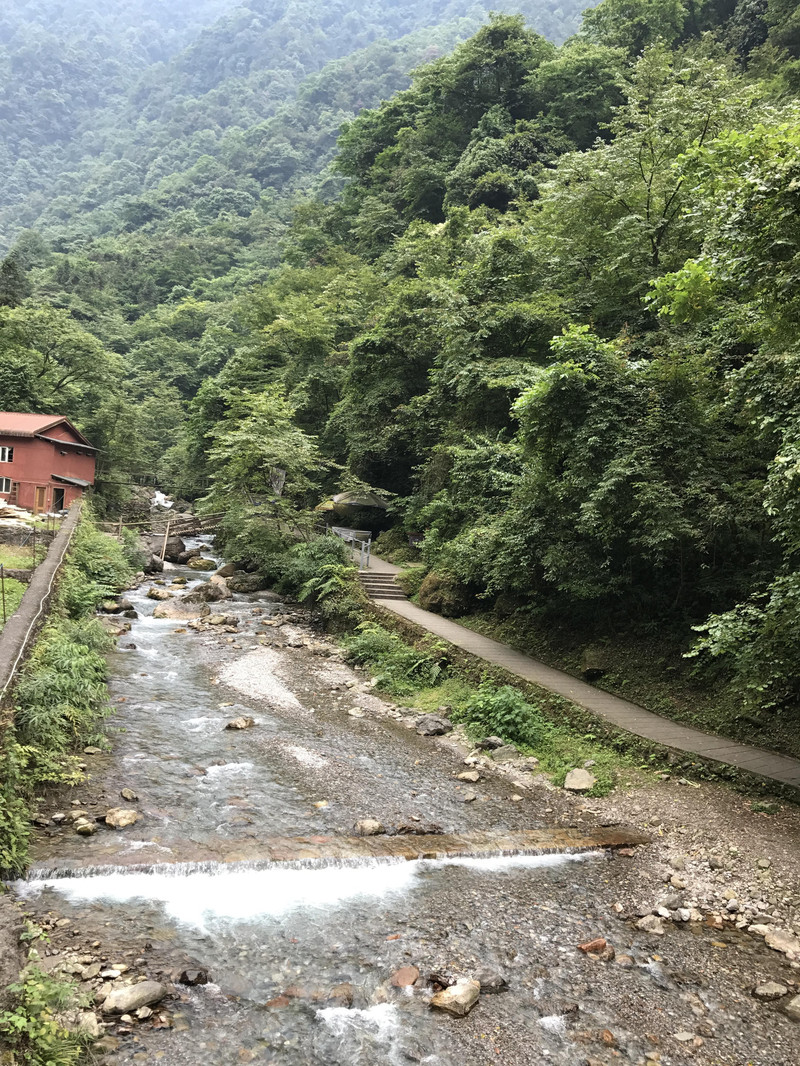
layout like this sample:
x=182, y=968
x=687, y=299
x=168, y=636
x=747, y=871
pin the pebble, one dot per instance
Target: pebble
x=770, y=990
x=470, y=775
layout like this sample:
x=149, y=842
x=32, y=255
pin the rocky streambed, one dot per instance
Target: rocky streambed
x=211, y=920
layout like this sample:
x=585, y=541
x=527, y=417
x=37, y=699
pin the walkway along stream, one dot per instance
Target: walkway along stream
x=614, y=709
x=302, y=949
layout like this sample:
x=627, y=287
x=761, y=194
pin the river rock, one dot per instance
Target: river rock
x=779, y=940
x=405, y=977
x=651, y=924
x=433, y=725
x=153, y=565
x=369, y=827
x=792, y=1008
x=228, y=570
x=490, y=743
x=155, y=593
x=221, y=585
x=770, y=990
x=181, y=612
x=505, y=753
x=201, y=564
x=132, y=997
x=208, y=592
x=458, y=999
x=194, y=977
x=129, y=795
x=491, y=980
x=243, y=583
x=190, y=553
x=244, y=721
x=470, y=775
x=120, y=817
x=579, y=780
x=114, y=625
x=88, y=1025
x=174, y=547
x=221, y=620
x=85, y=828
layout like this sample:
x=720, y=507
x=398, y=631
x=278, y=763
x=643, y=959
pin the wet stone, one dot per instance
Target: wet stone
x=405, y=977
x=458, y=999
x=130, y=998
x=121, y=817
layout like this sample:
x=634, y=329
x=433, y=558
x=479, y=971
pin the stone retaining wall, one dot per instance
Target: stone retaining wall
x=21, y=629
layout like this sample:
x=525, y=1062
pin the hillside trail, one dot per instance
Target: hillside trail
x=622, y=713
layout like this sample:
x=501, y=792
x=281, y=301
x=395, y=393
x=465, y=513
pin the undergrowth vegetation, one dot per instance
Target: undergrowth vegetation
x=32, y=1028
x=426, y=677
x=12, y=593
x=60, y=699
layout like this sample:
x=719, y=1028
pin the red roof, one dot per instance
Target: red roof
x=17, y=424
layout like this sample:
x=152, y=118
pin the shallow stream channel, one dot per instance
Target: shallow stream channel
x=311, y=959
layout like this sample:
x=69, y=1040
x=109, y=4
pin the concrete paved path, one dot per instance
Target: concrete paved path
x=620, y=712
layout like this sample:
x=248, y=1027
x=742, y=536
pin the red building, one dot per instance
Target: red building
x=45, y=463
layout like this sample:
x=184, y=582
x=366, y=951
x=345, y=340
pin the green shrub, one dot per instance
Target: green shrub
x=393, y=546
x=410, y=580
x=444, y=595
x=61, y=697
x=504, y=712
x=31, y=1028
x=398, y=668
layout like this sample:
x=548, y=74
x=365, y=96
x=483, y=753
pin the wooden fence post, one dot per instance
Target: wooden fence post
x=166, y=537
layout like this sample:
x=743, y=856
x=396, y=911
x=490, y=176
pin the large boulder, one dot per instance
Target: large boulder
x=181, y=610
x=209, y=592
x=132, y=997
x=228, y=570
x=198, y=563
x=174, y=547
x=242, y=582
x=156, y=593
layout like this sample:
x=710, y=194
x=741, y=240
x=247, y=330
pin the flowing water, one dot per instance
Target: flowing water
x=300, y=954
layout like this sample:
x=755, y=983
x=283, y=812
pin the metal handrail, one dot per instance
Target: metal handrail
x=353, y=537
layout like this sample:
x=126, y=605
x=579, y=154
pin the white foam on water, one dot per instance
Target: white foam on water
x=198, y=725
x=228, y=769
x=137, y=845
x=554, y=1023
x=304, y=756
x=235, y=893
x=383, y=1019
x=500, y=863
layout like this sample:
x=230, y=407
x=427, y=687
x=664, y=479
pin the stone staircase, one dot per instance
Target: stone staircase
x=380, y=586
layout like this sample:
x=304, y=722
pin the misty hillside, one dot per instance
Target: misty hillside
x=102, y=103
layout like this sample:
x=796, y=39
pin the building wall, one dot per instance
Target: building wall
x=35, y=462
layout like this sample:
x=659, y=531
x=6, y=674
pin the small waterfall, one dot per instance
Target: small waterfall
x=198, y=894
x=211, y=868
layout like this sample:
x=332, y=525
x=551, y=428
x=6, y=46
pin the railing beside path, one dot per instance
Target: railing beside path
x=21, y=628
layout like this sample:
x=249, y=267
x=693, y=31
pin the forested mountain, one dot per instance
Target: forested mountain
x=545, y=296
x=98, y=109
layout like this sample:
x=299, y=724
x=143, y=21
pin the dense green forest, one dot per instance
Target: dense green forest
x=544, y=296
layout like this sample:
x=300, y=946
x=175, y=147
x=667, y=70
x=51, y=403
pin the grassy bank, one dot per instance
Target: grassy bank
x=650, y=670
x=428, y=674
x=60, y=699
